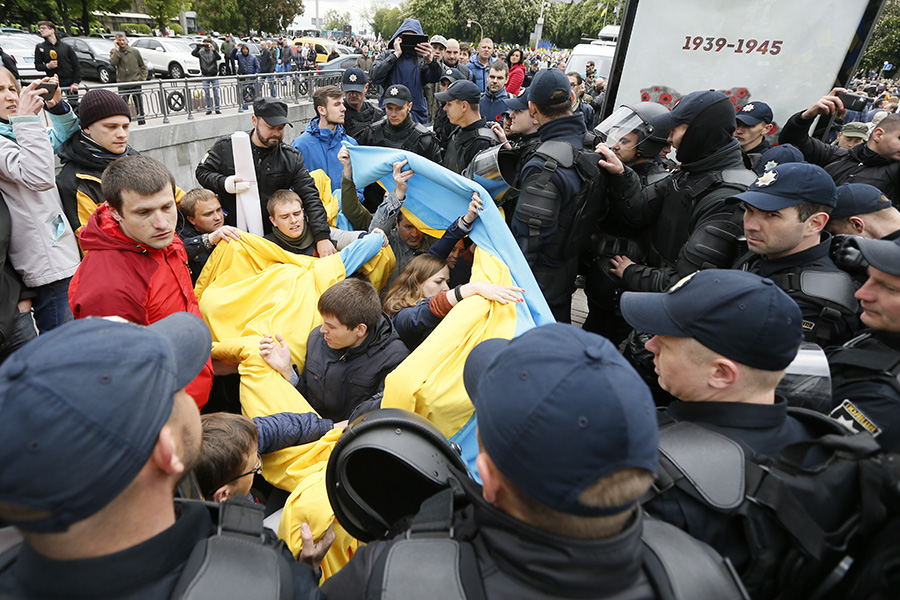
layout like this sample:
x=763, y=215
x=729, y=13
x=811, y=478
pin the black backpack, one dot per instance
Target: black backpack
x=801, y=518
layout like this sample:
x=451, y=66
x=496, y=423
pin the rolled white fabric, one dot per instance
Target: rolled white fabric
x=249, y=212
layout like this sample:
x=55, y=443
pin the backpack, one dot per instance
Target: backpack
x=241, y=560
x=800, y=520
x=429, y=562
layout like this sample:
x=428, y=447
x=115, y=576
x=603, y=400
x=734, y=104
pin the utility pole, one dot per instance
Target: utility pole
x=480, y=30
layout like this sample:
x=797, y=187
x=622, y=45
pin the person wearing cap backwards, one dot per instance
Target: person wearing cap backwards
x=851, y=135
x=278, y=167
x=785, y=213
x=544, y=220
x=398, y=129
x=864, y=372
x=693, y=228
x=568, y=444
x=442, y=127
x=439, y=44
x=754, y=122
x=413, y=68
x=97, y=457
x=461, y=103
x=136, y=267
x=863, y=210
x=42, y=246
x=877, y=162
x=359, y=114
x=105, y=121
x=721, y=343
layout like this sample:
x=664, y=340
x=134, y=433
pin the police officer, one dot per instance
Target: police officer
x=785, y=212
x=863, y=210
x=568, y=437
x=629, y=134
x=693, y=227
x=559, y=202
x=462, y=107
x=722, y=341
x=398, y=129
x=443, y=128
x=754, y=122
x=359, y=114
x=864, y=372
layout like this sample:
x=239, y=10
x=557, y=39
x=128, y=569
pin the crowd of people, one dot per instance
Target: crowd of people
x=655, y=452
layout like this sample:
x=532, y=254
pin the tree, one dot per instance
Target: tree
x=163, y=11
x=386, y=21
x=335, y=19
x=236, y=15
x=884, y=45
x=220, y=15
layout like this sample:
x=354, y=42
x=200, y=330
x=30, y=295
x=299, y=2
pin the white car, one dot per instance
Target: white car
x=21, y=47
x=171, y=58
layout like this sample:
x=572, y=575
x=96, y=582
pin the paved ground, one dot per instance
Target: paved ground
x=579, y=307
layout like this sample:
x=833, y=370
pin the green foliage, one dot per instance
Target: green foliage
x=163, y=11
x=136, y=28
x=386, y=20
x=335, y=19
x=219, y=15
x=239, y=15
x=884, y=45
x=176, y=28
x=566, y=24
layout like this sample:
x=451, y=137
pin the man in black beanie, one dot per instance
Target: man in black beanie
x=693, y=228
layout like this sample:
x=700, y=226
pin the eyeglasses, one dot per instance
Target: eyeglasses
x=257, y=470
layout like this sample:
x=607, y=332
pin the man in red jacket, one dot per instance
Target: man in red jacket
x=135, y=266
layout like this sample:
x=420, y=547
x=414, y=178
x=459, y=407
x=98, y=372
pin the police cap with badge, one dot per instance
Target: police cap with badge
x=398, y=95
x=754, y=113
x=354, y=80
x=463, y=90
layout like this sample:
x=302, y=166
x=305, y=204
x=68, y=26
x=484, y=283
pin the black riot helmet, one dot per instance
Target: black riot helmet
x=634, y=120
x=385, y=464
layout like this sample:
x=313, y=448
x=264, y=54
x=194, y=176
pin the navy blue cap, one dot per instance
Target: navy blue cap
x=519, y=102
x=789, y=185
x=884, y=255
x=777, y=155
x=688, y=108
x=354, y=80
x=451, y=73
x=397, y=94
x=545, y=83
x=737, y=314
x=858, y=199
x=754, y=113
x=463, y=90
x=81, y=408
x=559, y=408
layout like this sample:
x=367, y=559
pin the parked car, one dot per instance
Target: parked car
x=339, y=64
x=21, y=48
x=325, y=49
x=170, y=58
x=344, y=50
x=599, y=51
x=93, y=56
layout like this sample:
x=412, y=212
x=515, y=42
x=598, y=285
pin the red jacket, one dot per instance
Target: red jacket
x=516, y=77
x=122, y=277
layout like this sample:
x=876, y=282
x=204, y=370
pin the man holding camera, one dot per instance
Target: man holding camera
x=877, y=162
x=209, y=67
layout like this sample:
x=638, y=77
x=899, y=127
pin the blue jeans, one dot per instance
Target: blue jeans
x=24, y=331
x=51, y=307
x=214, y=85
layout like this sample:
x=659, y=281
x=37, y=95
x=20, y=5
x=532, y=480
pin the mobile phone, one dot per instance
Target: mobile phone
x=50, y=87
x=411, y=40
x=853, y=101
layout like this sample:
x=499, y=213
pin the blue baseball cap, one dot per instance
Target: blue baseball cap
x=884, y=255
x=777, y=155
x=519, y=102
x=81, y=408
x=452, y=73
x=354, y=80
x=545, y=83
x=737, y=314
x=858, y=199
x=688, y=108
x=397, y=94
x=754, y=113
x=559, y=408
x=787, y=185
x=462, y=89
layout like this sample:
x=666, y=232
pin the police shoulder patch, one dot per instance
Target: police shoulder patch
x=854, y=419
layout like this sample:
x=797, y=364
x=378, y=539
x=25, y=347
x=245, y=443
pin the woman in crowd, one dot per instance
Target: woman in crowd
x=516, y=72
x=420, y=297
x=42, y=247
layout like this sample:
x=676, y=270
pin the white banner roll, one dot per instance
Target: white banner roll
x=249, y=211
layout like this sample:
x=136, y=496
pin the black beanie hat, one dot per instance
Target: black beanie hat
x=100, y=104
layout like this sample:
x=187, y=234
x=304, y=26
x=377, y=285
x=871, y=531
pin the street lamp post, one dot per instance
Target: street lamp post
x=539, y=30
x=480, y=30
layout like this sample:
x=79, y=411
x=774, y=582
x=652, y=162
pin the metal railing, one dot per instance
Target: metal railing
x=163, y=98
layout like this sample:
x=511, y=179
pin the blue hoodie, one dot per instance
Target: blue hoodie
x=410, y=70
x=479, y=72
x=320, y=148
x=492, y=106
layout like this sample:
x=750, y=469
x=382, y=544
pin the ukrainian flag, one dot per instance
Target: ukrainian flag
x=250, y=288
